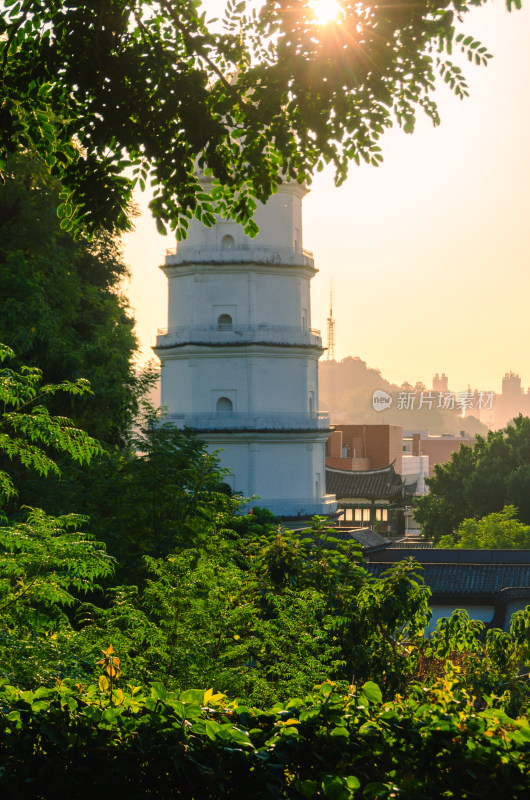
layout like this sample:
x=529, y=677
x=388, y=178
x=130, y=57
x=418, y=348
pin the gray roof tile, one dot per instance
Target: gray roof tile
x=451, y=579
x=373, y=484
x=366, y=537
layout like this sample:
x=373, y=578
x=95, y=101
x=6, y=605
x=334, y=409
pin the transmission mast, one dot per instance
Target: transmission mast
x=331, y=327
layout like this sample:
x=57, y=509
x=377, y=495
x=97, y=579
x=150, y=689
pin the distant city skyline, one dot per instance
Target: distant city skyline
x=429, y=253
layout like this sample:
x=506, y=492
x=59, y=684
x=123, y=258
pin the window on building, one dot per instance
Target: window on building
x=224, y=322
x=224, y=405
x=348, y=515
x=358, y=515
x=227, y=242
x=366, y=515
x=384, y=515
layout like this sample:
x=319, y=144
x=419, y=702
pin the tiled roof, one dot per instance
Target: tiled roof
x=437, y=555
x=411, y=545
x=366, y=537
x=406, y=544
x=455, y=579
x=372, y=484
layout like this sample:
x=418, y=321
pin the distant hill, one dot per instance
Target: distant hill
x=346, y=388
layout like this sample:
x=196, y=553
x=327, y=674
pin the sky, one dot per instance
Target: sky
x=429, y=253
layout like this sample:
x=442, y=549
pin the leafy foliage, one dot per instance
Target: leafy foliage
x=158, y=89
x=263, y=619
x=27, y=430
x=250, y=610
x=198, y=744
x=498, y=531
x=68, y=293
x=44, y=560
x=163, y=492
x=478, y=481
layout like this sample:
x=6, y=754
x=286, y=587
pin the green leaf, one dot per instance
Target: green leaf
x=306, y=788
x=372, y=692
x=159, y=691
x=340, y=732
x=337, y=788
x=193, y=696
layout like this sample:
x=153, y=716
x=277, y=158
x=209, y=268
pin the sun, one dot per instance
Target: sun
x=326, y=11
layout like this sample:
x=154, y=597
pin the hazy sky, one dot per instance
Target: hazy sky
x=429, y=254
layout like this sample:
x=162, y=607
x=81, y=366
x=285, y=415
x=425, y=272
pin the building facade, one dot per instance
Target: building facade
x=365, y=447
x=239, y=357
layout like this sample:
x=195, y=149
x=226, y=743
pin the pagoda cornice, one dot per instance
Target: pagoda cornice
x=238, y=336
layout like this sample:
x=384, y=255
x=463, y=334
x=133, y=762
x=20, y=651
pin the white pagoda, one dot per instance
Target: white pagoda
x=240, y=359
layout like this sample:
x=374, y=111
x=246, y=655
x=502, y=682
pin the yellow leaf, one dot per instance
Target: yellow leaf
x=117, y=697
x=103, y=683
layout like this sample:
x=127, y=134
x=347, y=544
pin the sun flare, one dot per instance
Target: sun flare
x=326, y=11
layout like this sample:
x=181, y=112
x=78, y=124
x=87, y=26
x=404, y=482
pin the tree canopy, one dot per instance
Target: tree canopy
x=478, y=481
x=498, y=531
x=156, y=89
x=61, y=306
x=251, y=611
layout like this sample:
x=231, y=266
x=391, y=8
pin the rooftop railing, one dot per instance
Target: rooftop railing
x=250, y=253
x=231, y=334
x=281, y=421
x=300, y=507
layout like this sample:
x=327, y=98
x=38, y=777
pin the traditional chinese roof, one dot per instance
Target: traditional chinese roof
x=371, y=484
x=472, y=579
x=405, y=544
x=424, y=552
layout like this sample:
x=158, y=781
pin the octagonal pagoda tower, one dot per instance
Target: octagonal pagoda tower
x=240, y=359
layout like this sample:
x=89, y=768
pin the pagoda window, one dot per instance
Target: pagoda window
x=224, y=322
x=224, y=405
x=227, y=242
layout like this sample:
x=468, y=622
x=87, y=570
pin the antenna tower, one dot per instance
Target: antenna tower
x=331, y=327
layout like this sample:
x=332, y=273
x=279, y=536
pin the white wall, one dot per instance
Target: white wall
x=275, y=380
x=277, y=221
x=256, y=294
x=276, y=470
x=511, y=608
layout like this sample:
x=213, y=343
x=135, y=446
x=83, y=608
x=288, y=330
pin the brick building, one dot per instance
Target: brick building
x=365, y=447
x=438, y=449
